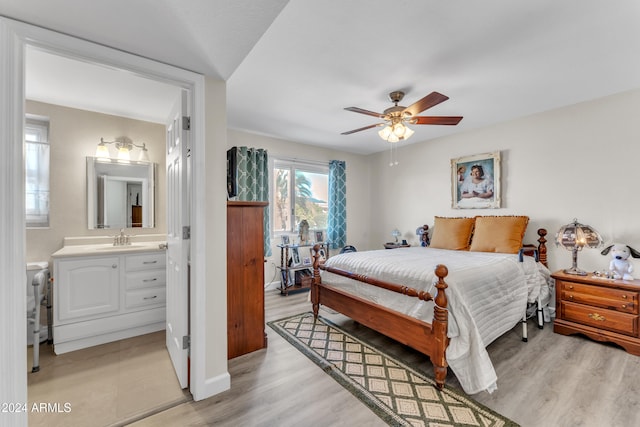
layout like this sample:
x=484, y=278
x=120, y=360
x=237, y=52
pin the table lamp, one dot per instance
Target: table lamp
x=575, y=236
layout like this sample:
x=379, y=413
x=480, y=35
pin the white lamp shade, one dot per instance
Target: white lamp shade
x=102, y=151
x=408, y=132
x=385, y=133
x=123, y=153
x=144, y=155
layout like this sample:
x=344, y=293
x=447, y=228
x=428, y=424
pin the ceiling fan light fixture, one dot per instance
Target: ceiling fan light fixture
x=399, y=130
x=385, y=133
x=408, y=132
x=396, y=118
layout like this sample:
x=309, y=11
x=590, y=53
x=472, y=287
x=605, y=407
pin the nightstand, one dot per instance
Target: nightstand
x=602, y=309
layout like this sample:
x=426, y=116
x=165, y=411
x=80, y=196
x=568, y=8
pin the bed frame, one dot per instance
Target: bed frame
x=429, y=339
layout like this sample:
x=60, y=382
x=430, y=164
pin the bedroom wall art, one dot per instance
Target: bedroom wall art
x=475, y=181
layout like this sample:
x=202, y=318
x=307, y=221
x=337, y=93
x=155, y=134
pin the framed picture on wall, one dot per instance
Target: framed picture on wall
x=319, y=236
x=475, y=181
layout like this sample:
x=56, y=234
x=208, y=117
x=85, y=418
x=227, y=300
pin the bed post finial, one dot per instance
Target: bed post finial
x=542, y=247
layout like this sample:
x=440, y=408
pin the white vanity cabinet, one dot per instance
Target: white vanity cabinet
x=107, y=297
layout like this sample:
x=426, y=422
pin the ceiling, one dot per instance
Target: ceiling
x=292, y=67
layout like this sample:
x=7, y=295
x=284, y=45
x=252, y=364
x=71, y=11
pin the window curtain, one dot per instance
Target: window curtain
x=337, y=221
x=253, y=183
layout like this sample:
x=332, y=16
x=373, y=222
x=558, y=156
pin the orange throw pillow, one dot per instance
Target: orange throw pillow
x=452, y=233
x=502, y=234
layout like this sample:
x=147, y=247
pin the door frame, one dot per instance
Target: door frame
x=14, y=39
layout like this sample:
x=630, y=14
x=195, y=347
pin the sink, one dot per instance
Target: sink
x=117, y=248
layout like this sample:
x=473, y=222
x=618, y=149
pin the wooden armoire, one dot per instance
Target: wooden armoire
x=245, y=278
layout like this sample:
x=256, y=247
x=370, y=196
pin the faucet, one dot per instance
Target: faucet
x=121, y=239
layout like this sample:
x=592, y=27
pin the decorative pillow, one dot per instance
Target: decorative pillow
x=502, y=234
x=452, y=233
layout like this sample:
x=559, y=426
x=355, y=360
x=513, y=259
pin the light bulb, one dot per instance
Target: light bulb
x=398, y=130
x=123, y=153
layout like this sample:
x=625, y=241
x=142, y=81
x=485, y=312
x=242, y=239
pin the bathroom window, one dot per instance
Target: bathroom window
x=36, y=155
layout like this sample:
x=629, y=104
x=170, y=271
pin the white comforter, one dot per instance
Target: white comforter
x=487, y=294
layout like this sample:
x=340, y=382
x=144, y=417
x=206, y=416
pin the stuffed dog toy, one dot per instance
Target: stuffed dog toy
x=620, y=265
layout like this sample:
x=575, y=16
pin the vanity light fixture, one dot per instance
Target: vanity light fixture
x=124, y=145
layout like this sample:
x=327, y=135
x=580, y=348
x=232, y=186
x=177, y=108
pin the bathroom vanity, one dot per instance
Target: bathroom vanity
x=105, y=293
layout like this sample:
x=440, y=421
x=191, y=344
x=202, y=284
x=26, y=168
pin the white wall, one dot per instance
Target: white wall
x=574, y=162
x=215, y=234
x=358, y=185
x=74, y=135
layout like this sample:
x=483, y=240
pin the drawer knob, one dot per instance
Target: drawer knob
x=624, y=305
x=570, y=286
x=624, y=297
x=597, y=317
x=114, y=266
x=155, y=296
x=570, y=296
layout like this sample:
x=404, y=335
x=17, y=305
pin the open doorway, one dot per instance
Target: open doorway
x=78, y=130
x=207, y=379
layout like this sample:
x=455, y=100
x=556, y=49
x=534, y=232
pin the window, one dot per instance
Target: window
x=36, y=155
x=300, y=191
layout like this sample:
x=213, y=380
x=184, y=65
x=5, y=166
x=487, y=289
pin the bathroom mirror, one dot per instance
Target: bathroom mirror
x=120, y=194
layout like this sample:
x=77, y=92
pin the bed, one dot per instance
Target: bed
x=402, y=293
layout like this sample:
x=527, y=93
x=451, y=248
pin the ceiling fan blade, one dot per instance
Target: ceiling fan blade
x=441, y=120
x=431, y=100
x=359, y=129
x=363, y=111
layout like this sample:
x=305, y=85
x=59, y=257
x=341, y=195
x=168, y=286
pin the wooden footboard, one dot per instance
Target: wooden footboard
x=428, y=338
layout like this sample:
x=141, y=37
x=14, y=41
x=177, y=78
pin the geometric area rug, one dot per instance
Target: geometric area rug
x=398, y=394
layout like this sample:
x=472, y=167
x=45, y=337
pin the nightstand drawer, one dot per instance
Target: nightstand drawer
x=614, y=299
x=600, y=318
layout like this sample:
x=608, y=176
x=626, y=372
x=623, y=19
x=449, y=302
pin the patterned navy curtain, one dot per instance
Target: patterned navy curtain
x=337, y=221
x=253, y=183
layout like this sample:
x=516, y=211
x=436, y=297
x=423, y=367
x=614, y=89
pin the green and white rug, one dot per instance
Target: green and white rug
x=398, y=394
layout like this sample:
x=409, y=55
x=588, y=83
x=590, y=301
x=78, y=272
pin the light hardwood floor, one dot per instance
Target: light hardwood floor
x=552, y=380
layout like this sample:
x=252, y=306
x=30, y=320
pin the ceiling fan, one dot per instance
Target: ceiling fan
x=397, y=118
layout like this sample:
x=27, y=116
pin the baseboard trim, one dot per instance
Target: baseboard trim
x=213, y=386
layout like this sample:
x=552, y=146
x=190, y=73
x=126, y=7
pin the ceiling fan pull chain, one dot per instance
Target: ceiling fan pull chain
x=393, y=154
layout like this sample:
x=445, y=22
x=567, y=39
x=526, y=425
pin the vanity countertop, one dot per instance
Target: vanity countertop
x=108, y=248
